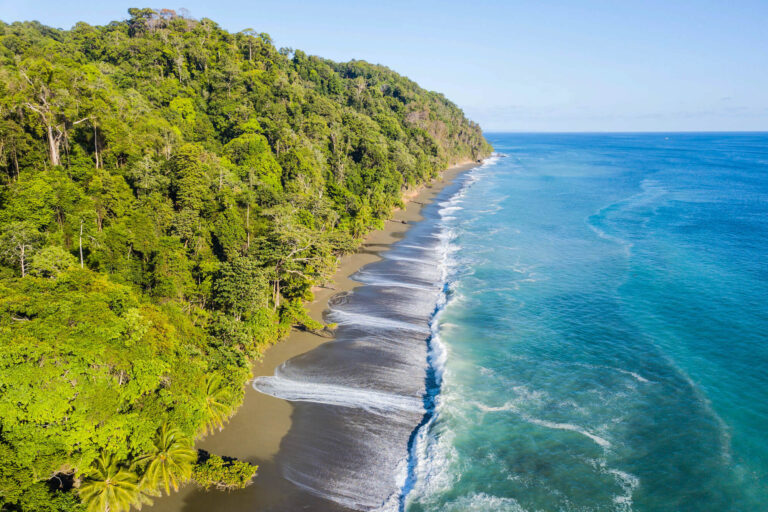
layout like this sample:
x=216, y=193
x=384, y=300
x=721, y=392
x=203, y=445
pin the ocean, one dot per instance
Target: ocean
x=579, y=324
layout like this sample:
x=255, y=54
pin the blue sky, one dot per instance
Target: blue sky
x=529, y=66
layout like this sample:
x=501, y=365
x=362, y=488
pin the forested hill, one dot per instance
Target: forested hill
x=170, y=193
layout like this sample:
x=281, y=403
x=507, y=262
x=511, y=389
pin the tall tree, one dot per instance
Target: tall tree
x=49, y=91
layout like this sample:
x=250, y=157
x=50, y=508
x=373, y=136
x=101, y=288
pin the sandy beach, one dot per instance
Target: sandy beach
x=255, y=432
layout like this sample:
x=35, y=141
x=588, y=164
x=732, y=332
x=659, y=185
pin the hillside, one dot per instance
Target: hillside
x=170, y=193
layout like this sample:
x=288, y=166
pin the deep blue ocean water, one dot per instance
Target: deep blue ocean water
x=605, y=333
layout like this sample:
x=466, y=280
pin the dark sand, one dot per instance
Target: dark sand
x=255, y=432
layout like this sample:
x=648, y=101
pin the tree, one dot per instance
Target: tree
x=250, y=36
x=239, y=287
x=169, y=463
x=139, y=19
x=301, y=172
x=224, y=475
x=190, y=185
x=111, y=196
x=46, y=90
x=17, y=243
x=109, y=487
x=217, y=402
x=51, y=261
x=230, y=233
x=253, y=157
x=293, y=251
x=171, y=270
x=13, y=143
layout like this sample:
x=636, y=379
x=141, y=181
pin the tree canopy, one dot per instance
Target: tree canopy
x=169, y=194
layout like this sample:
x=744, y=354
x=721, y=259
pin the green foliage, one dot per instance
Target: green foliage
x=41, y=498
x=18, y=243
x=51, y=261
x=294, y=313
x=82, y=362
x=217, y=402
x=190, y=185
x=109, y=487
x=169, y=194
x=169, y=462
x=214, y=471
x=239, y=288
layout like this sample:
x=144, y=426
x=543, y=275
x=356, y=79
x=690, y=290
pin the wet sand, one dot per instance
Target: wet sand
x=255, y=432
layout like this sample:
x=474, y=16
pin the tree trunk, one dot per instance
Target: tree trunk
x=276, y=294
x=16, y=162
x=22, y=248
x=81, y=243
x=96, y=146
x=53, y=147
x=248, y=226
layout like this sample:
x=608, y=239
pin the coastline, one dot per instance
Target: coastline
x=258, y=427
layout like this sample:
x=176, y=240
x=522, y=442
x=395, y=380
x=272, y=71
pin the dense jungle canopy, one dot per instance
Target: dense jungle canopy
x=169, y=194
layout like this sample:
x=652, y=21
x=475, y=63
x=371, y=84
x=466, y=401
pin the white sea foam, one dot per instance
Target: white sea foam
x=332, y=394
x=492, y=209
x=425, y=451
x=632, y=374
x=509, y=406
x=435, y=464
x=636, y=376
x=481, y=502
x=395, y=257
x=628, y=483
x=353, y=490
x=512, y=407
x=376, y=280
x=392, y=502
x=410, y=246
x=349, y=318
x=346, y=496
x=568, y=426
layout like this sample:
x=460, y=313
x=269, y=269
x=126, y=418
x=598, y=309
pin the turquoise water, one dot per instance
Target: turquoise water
x=605, y=335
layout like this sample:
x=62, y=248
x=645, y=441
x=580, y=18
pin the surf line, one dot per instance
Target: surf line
x=436, y=355
x=433, y=381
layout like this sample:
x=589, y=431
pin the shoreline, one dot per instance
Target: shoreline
x=256, y=430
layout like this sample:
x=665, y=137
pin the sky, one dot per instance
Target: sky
x=541, y=65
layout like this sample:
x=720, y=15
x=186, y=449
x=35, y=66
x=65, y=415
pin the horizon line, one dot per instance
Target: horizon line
x=587, y=132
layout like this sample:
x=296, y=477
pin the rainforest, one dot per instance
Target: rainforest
x=170, y=194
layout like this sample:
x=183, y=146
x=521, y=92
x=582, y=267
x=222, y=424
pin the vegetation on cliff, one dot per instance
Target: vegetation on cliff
x=170, y=193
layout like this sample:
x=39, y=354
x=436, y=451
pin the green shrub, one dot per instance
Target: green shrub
x=222, y=473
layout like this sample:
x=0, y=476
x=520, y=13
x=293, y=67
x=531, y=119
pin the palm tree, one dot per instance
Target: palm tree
x=170, y=461
x=108, y=487
x=216, y=403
